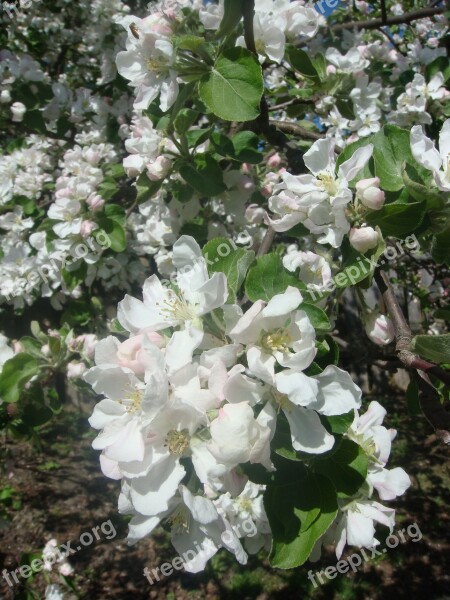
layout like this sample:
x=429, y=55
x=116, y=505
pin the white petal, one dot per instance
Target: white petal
x=301, y=389
x=423, y=150
x=151, y=494
x=307, y=432
x=351, y=167
x=338, y=394
x=320, y=157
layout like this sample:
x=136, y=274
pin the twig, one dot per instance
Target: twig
x=395, y=20
x=431, y=406
x=295, y=129
x=267, y=242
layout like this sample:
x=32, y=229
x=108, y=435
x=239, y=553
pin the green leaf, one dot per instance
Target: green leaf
x=245, y=145
x=188, y=42
x=433, y=347
x=108, y=188
x=345, y=107
x=440, y=247
x=346, y=468
x=115, y=232
x=206, y=176
x=339, y=423
x=439, y=65
x=301, y=62
x=398, y=218
x=35, y=412
x=232, y=90
x=222, y=256
x=391, y=151
x=17, y=371
x=268, y=278
x=115, y=212
x=146, y=188
x=421, y=192
x=299, y=514
x=242, y=147
x=317, y=316
x=185, y=119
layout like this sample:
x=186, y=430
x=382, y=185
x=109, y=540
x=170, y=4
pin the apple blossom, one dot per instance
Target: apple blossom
x=364, y=238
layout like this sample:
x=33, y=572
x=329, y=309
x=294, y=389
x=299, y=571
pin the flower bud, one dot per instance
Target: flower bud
x=380, y=330
x=75, y=369
x=274, y=160
x=363, y=239
x=159, y=168
x=95, y=202
x=18, y=110
x=87, y=227
x=368, y=191
x=5, y=97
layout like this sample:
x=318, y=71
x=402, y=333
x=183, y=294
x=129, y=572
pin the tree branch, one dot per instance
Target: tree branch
x=295, y=129
x=394, y=20
x=431, y=406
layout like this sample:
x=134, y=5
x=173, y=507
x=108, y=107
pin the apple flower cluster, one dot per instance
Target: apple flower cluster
x=194, y=394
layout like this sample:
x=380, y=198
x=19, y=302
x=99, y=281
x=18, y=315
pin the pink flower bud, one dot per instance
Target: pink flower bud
x=380, y=329
x=86, y=228
x=331, y=69
x=368, y=191
x=95, y=202
x=17, y=347
x=131, y=353
x=363, y=239
x=75, y=370
x=274, y=160
x=159, y=168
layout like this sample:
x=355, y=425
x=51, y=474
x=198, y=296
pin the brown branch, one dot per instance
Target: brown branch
x=431, y=406
x=395, y=20
x=267, y=242
x=295, y=129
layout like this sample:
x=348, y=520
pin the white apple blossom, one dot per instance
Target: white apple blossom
x=195, y=295
x=148, y=63
x=319, y=200
x=438, y=162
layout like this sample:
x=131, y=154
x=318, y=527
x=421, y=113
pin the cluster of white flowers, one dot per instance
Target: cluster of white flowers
x=318, y=201
x=355, y=524
x=193, y=395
